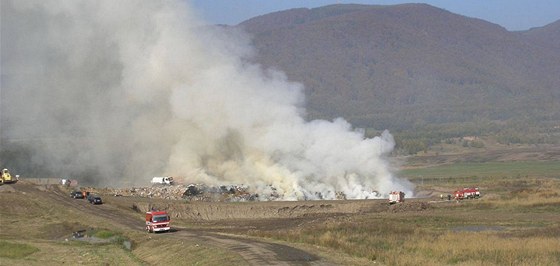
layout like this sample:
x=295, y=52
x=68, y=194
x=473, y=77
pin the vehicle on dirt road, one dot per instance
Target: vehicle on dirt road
x=94, y=199
x=157, y=221
x=7, y=178
x=77, y=194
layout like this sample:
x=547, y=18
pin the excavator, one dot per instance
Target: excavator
x=7, y=178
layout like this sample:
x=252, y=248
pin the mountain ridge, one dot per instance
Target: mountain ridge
x=406, y=65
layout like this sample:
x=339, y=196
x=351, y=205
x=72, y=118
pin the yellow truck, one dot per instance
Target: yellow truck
x=7, y=178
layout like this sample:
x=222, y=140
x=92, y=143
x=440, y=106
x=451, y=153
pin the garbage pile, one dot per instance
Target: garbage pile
x=197, y=192
x=201, y=192
x=163, y=192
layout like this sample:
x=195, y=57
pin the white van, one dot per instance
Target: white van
x=162, y=180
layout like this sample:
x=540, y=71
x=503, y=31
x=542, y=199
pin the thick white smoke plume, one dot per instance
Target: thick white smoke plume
x=131, y=89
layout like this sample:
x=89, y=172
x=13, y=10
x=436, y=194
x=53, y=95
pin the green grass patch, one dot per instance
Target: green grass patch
x=103, y=234
x=489, y=169
x=16, y=250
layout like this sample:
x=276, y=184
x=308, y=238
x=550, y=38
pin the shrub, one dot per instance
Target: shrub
x=104, y=234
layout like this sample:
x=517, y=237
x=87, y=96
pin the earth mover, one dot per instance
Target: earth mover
x=7, y=178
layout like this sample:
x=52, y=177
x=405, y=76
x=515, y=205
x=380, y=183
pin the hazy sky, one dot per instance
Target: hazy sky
x=511, y=14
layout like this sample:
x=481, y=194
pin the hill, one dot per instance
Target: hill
x=548, y=37
x=409, y=66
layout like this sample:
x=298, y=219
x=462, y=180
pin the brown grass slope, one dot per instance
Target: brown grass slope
x=397, y=66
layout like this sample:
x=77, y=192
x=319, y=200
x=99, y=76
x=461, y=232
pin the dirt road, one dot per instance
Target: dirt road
x=254, y=252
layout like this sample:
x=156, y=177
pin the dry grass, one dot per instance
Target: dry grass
x=515, y=223
x=72, y=253
x=394, y=245
x=16, y=250
x=485, y=248
x=535, y=194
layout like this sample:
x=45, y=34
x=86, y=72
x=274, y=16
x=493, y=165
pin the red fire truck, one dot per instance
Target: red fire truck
x=467, y=193
x=157, y=221
x=396, y=196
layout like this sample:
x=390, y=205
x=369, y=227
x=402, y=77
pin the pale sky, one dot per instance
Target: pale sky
x=511, y=14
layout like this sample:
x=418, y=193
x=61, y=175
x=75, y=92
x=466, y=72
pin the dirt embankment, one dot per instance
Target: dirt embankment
x=259, y=210
x=217, y=211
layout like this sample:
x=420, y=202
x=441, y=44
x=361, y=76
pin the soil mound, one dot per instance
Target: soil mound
x=409, y=206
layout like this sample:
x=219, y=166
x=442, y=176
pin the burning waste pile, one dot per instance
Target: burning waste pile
x=135, y=88
x=202, y=192
x=160, y=192
x=192, y=192
x=196, y=192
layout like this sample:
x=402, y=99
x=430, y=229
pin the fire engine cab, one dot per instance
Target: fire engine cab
x=157, y=221
x=396, y=197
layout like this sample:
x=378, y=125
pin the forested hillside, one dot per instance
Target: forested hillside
x=417, y=69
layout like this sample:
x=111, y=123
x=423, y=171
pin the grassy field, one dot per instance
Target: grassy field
x=13, y=250
x=48, y=252
x=489, y=169
x=514, y=223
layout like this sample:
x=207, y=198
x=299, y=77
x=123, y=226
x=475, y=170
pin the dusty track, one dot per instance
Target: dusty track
x=254, y=252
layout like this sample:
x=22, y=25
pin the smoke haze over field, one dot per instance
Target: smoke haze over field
x=125, y=90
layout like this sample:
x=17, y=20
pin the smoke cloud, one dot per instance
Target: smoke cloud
x=125, y=90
